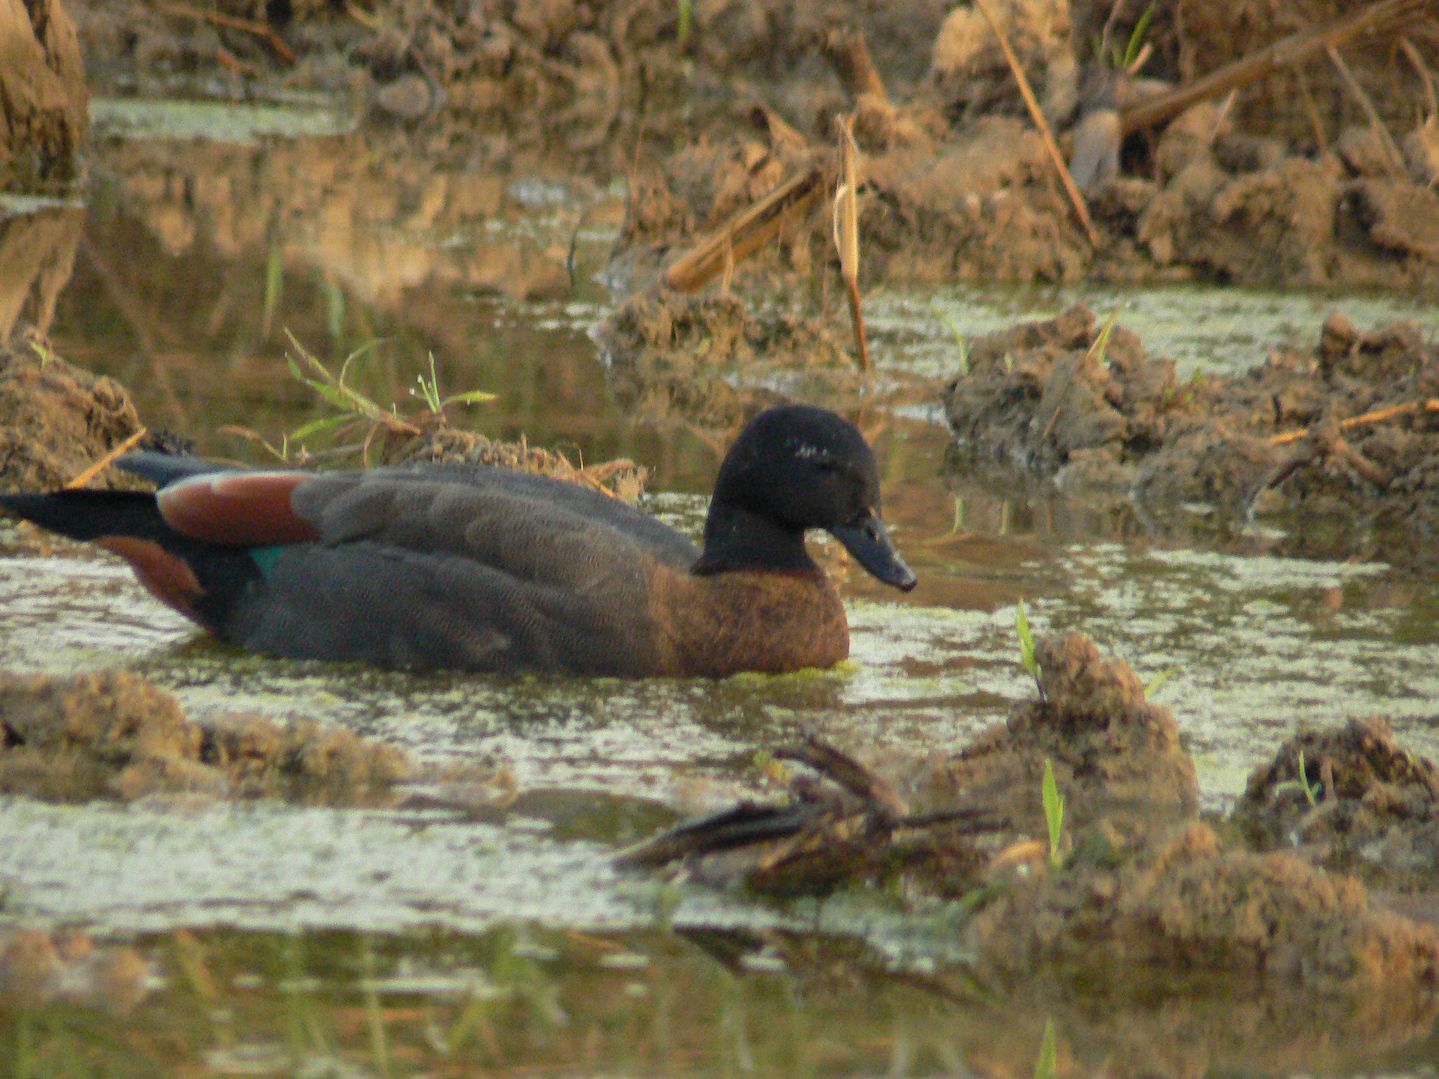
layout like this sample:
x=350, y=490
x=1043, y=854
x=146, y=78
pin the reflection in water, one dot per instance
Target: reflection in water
x=524, y=999
x=37, y=254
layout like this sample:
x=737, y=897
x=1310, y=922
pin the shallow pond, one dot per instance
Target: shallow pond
x=503, y=937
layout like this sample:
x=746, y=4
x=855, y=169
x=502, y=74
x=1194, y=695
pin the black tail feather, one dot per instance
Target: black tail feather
x=91, y=515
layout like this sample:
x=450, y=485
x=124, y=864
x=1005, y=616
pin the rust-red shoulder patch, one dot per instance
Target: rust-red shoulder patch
x=241, y=509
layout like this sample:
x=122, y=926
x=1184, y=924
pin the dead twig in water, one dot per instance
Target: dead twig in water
x=1290, y=51
x=844, y=770
x=268, y=34
x=846, y=235
x=1030, y=102
x=1379, y=415
x=747, y=231
x=104, y=462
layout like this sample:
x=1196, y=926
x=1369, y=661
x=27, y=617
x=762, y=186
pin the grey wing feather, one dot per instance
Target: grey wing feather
x=427, y=570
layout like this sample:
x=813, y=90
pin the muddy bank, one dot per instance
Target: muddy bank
x=743, y=95
x=583, y=67
x=1350, y=799
x=1130, y=880
x=1341, y=432
x=958, y=182
x=43, y=98
x=981, y=203
x=56, y=420
x=115, y=735
x=672, y=355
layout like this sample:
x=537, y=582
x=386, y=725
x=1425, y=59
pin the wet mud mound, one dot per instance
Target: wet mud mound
x=957, y=182
x=43, y=100
x=115, y=735
x=1184, y=905
x=1237, y=207
x=56, y=420
x=581, y=65
x=1112, y=751
x=1350, y=799
x=1346, y=433
x=712, y=361
x=1135, y=882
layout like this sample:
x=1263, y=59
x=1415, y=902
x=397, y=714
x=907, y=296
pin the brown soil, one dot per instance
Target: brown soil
x=1371, y=807
x=55, y=420
x=673, y=355
x=1184, y=905
x=1142, y=885
x=957, y=181
x=621, y=478
x=1044, y=397
x=43, y=100
x=1112, y=751
x=959, y=184
x=115, y=735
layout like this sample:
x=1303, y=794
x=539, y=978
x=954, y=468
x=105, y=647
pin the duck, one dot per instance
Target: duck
x=446, y=566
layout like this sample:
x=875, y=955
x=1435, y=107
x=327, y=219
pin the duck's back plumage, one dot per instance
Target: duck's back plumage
x=473, y=568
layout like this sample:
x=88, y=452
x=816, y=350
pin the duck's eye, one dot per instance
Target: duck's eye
x=864, y=520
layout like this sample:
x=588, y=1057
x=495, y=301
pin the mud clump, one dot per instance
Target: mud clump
x=621, y=478
x=44, y=105
x=1343, y=432
x=1184, y=903
x=1235, y=207
x=55, y=420
x=115, y=735
x=1112, y=751
x=672, y=354
x=1361, y=804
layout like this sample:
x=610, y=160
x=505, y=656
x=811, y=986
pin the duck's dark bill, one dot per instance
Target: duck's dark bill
x=867, y=540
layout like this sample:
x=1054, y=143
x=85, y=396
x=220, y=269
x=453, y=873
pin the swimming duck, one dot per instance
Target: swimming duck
x=487, y=569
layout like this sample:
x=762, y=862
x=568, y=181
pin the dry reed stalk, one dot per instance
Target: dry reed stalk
x=746, y=231
x=1377, y=416
x=1386, y=140
x=846, y=235
x=1290, y=51
x=104, y=462
x=1032, y=104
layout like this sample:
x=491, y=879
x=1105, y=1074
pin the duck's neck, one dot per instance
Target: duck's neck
x=736, y=539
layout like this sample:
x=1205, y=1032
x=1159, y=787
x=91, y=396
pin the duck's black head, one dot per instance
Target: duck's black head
x=794, y=468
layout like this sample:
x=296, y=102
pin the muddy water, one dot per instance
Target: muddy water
x=191, y=259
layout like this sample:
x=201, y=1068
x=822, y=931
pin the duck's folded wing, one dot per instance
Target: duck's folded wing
x=546, y=532
x=411, y=568
x=404, y=609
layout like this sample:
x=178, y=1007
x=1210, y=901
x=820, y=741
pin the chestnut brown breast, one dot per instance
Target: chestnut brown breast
x=765, y=621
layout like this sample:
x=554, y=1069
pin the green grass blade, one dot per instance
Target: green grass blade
x=1047, y=1065
x=1053, y=813
x=322, y=426
x=472, y=397
x=1026, y=641
x=1136, y=39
